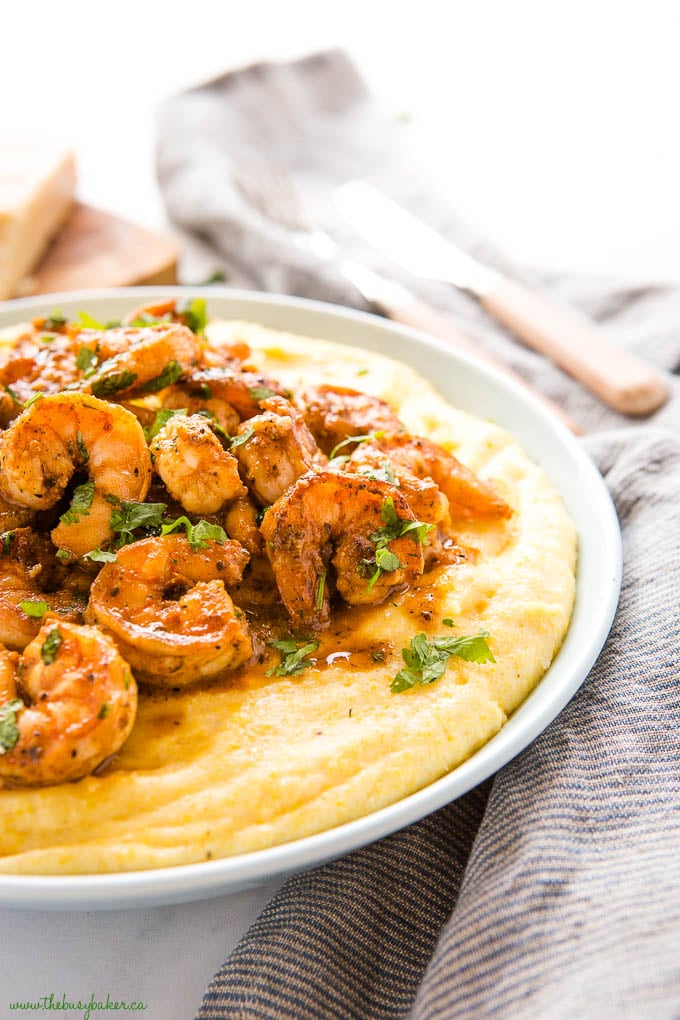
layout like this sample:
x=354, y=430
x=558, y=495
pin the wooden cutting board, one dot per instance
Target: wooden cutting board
x=98, y=249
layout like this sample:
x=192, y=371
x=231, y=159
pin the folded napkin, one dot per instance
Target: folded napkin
x=554, y=889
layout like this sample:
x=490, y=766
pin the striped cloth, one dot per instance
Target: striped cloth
x=553, y=890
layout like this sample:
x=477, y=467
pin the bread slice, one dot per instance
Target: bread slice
x=37, y=190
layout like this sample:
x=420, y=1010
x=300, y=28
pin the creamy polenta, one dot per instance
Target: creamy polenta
x=249, y=761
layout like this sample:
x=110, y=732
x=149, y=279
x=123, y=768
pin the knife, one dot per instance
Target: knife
x=399, y=304
x=624, y=381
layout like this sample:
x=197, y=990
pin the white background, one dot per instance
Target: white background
x=553, y=126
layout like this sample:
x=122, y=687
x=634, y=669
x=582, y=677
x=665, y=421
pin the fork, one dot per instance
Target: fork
x=271, y=190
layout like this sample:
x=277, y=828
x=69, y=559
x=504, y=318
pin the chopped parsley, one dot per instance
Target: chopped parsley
x=88, y=322
x=80, y=504
x=7, y=539
x=198, y=535
x=8, y=389
x=320, y=589
x=103, y=711
x=261, y=392
x=384, y=561
x=170, y=374
x=381, y=474
x=293, y=657
x=87, y=360
x=55, y=321
x=161, y=420
x=193, y=314
x=127, y=516
x=101, y=556
x=9, y=731
x=34, y=609
x=82, y=449
x=51, y=646
x=111, y=384
x=356, y=439
x=426, y=660
x=240, y=440
x=448, y=622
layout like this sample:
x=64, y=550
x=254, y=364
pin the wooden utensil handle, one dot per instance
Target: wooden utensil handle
x=421, y=316
x=622, y=380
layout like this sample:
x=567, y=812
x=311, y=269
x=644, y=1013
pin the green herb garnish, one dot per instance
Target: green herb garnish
x=198, y=535
x=103, y=711
x=448, y=622
x=381, y=474
x=240, y=440
x=384, y=561
x=161, y=420
x=100, y=556
x=34, y=609
x=111, y=384
x=34, y=399
x=86, y=360
x=193, y=313
x=55, y=321
x=51, y=646
x=86, y=320
x=293, y=657
x=127, y=516
x=80, y=504
x=320, y=588
x=356, y=439
x=426, y=660
x=261, y=392
x=9, y=731
x=82, y=449
x=170, y=374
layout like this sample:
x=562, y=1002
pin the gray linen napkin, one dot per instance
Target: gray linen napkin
x=553, y=891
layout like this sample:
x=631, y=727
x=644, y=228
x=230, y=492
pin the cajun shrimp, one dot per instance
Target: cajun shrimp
x=196, y=469
x=145, y=359
x=229, y=394
x=413, y=457
x=166, y=606
x=185, y=312
x=38, y=362
x=60, y=435
x=68, y=703
x=32, y=579
x=332, y=518
x=335, y=413
x=274, y=449
x=241, y=523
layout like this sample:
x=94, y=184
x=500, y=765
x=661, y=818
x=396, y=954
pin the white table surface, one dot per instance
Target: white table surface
x=552, y=126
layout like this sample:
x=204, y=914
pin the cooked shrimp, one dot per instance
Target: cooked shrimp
x=37, y=363
x=195, y=467
x=332, y=517
x=334, y=413
x=167, y=608
x=79, y=705
x=276, y=448
x=224, y=391
x=241, y=523
x=68, y=432
x=190, y=313
x=468, y=496
x=146, y=359
x=31, y=577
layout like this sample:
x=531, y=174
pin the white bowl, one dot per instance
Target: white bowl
x=475, y=387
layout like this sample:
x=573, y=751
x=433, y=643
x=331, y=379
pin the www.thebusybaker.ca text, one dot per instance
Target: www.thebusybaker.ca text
x=84, y=1006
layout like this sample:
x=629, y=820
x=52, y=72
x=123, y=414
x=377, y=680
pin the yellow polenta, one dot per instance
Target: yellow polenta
x=253, y=761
